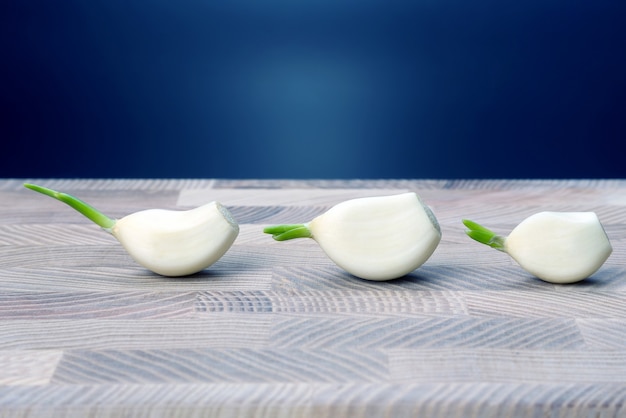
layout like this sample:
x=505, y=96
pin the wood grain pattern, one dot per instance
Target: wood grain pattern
x=507, y=366
x=275, y=329
x=414, y=332
x=28, y=368
x=366, y=400
x=604, y=334
x=218, y=331
x=378, y=302
x=220, y=365
x=86, y=305
x=279, y=197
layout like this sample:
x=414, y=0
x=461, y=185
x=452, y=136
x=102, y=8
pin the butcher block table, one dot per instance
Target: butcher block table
x=275, y=329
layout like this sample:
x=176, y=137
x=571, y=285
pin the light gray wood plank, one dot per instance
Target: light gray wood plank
x=242, y=365
x=521, y=185
x=431, y=276
x=275, y=214
x=27, y=367
x=329, y=184
x=106, y=184
x=219, y=331
x=263, y=400
x=506, y=365
x=86, y=305
x=210, y=302
x=606, y=333
x=279, y=197
x=304, y=400
x=41, y=234
x=132, y=277
x=109, y=267
x=528, y=304
x=272, y=254
x=378, y=302
x=66, y=256
x=485, y=400
x=372, y=331
x=383, y=302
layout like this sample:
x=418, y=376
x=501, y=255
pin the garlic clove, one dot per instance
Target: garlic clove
x=177, y=243
x=374, y=238
x=170, y=243
x=557, y=247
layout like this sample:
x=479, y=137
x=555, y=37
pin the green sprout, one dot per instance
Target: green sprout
x=483, y=235
x=85, y=209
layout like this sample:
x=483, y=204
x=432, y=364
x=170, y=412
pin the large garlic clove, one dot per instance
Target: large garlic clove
x=170, y=243
x=374, y=238
x=557, y=247
x=177, y=243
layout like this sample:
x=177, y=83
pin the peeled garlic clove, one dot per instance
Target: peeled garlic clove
x=167, y=242
x=374, y=238
x=177, y=243
x=558, y=247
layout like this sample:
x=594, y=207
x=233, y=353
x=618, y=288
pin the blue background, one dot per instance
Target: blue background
x=313, y=89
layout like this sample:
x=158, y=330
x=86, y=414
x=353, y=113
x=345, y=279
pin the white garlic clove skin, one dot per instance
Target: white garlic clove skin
x=559, y=247
x=378, y=238
x=177, y=243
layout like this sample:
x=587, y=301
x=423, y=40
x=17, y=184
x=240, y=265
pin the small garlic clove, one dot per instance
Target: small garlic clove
x=374, y=238
x=559, y=247
x=177, y=243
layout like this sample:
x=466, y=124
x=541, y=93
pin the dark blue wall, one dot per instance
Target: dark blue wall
x=319, y=89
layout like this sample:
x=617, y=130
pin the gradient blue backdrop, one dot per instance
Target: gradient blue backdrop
x=313, y=89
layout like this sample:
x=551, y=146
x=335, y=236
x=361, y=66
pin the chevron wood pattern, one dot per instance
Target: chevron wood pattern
x=275, y=329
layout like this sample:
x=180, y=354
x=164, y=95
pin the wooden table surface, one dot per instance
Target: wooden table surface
x=275, y=329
